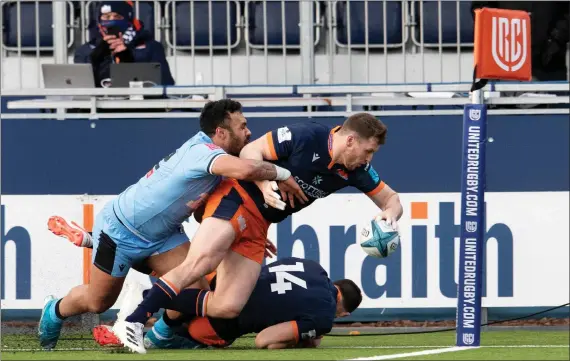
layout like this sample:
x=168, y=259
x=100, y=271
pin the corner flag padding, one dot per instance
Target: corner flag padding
x=502, y=51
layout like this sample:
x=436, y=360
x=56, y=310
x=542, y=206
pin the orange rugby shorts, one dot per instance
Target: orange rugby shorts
x=201, y=331
x=232, y=203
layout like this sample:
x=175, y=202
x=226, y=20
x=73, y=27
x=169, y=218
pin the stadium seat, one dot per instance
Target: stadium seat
x=145, y=15
x=275, y=11
x=28, y=25
x=201, y=22
x=449, y=22
x=394, y=29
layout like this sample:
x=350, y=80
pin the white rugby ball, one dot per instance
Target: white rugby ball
x=379, y=239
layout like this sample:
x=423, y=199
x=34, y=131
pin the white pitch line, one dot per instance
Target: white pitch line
x=442, y=346
x=417, y=353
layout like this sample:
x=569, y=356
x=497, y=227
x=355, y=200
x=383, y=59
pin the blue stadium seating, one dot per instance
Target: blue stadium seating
x=394, y=31
x=448, y=22
x=201, y=24
x=28, y=25
x=274, y=11
x=145, y=15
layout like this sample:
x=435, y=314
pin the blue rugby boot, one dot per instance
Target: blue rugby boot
x=161, y=336
x=49, y=328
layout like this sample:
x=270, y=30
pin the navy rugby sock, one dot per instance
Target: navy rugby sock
x=192, y=302
x=158, y=297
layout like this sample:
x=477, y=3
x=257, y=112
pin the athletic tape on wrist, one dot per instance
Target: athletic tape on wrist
x=282, y=173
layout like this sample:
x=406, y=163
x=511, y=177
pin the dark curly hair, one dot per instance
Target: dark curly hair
x=215, y=113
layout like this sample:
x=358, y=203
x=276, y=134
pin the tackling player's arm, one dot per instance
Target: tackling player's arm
x=368, y=181
x=212, y=159
x=266, y=148
x=248, y=169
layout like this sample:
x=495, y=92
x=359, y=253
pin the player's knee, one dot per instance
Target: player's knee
x=226, y=310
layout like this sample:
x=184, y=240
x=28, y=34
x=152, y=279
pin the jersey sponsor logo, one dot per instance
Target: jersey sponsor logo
x=311, y=190
x=316, y=157
x=211, y=146
x=317, y=180
x=283, y=134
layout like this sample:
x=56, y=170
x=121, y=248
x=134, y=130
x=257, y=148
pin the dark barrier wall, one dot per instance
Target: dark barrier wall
x=422, y=154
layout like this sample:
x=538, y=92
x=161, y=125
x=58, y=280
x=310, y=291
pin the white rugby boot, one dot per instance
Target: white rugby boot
x=131, y=335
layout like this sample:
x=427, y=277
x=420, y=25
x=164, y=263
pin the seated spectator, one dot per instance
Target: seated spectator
x=121, y=38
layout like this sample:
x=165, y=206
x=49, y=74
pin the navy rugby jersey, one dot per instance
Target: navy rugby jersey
x=305, y=149
x=289, y=290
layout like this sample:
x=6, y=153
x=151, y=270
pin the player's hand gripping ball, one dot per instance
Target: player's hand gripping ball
x=379, y=239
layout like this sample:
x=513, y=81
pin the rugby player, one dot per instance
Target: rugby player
x=232, y=234
x=145, y=221
x=293, y=304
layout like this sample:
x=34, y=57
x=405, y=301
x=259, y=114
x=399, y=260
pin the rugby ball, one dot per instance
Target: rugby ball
x=379, y=239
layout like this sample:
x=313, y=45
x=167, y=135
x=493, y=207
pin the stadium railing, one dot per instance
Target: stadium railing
x=286, y=101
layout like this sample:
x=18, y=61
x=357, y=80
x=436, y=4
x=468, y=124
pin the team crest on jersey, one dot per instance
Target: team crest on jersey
x=212, y=146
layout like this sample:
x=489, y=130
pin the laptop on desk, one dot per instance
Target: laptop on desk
x=124, y=73
x=68, y=76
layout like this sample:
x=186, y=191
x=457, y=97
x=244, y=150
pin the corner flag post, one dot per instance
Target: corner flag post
x=502, y=51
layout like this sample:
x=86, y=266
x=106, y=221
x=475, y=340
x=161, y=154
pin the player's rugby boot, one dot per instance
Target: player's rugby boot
x=75, y=234
x=104, y=336
x=130, y=334
x=49, y=328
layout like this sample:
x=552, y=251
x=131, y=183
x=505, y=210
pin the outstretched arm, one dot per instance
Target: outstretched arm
x=389, y=202
x=248, y=169
x=369, y=182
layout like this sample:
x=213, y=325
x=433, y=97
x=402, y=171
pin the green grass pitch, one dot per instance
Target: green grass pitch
x=496, y=345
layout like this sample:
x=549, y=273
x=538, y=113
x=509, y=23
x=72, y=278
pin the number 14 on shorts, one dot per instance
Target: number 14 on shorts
x=284, y=279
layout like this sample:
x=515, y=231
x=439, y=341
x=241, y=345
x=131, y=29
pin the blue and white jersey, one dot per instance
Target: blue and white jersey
x=155, y=206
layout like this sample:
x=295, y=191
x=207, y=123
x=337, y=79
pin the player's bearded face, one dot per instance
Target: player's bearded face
x=236, y=142
x=238, y=134
x=359, y=152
